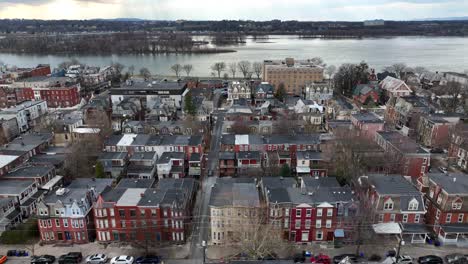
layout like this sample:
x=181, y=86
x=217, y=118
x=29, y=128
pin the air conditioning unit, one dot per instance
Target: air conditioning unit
x=61, y=191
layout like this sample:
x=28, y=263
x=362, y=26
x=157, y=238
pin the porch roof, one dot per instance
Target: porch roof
x=455, y=228
x=408, y=228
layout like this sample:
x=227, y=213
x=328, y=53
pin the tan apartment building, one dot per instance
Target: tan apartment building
x=235, y=210
x=293, y=74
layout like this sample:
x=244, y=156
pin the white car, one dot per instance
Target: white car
x=443, y=170
x=122, y=260
x=96, y=259
x=404, y=260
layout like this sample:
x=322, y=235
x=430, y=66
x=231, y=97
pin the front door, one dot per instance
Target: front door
x=67, y=236
x=60, y=236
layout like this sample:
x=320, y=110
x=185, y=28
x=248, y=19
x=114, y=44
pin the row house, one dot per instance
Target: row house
x=320, y=92
x=403, y=112
x=10, y=97
x=142, y=165
x=41, y=174
x=171, y=165
x=367, y=124
x=195, y=164
x=227, y=164
x=8, y=127
x=114, y=163
x=25, y=194
x=311, y=163
x=239, y=90
x=133, y=143
x=433, y=130
x=10, y=216
x=458, y=145
x=394, y=87
x=394, y=199
x=263, y=92
x=235, y=210
x=319, y=211
x=145, y=214
x=405, y=155
x=21, y=149
x=447, y=206
x=27, y=113
x=66, y=214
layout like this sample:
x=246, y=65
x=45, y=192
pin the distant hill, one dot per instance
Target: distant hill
x=444, y=19
x=122, y=19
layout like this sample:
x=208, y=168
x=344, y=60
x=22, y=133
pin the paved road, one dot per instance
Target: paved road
x=201, y=221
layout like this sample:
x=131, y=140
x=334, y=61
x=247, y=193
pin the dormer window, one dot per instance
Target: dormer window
x=457, y=204
x=388, y=205
x=413, y=205
x=439, y=199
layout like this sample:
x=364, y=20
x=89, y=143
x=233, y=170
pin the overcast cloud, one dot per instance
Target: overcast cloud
x=354, y=10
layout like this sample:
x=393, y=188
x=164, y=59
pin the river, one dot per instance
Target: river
x=434, y=53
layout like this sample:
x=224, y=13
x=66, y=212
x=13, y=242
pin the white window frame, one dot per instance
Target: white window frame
x=298, y=212
x=317, y=233
x=388, y=205
x=319, y=212
x=329, y=212
x=318, y=223
x=448, y=218
x=417, y=218
x=328, y=223
x=405, y=218
x=461, y=217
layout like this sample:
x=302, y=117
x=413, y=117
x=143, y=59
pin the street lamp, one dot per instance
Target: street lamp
x=400, y=243
x=204, y=251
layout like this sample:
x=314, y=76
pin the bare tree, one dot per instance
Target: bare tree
x=258, y=68
x=66, y=64
x=330, y=70
x=145, y=73
x=118, y=67
x=233, y=69
x=239, y=127
x=188, y=68
x=176, y=68
x=455, y=94
x=219, y=67
x=419, y=70
x=396, y=68
x=245, y=68
x=131, y=70
x=318, y=61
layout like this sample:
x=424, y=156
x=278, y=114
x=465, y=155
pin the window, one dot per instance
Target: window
x=388, y=205
x=431, y=193
x=319, y=212
x=298, y=213
x=456, y=205
x=416, y=218
x=439, y=199
x=307, y=224
x=448, y=218
x=57, y=222
x=286, y=222
x=309, y=212
x=142, y=213
x=329, y=212
x=153, y=212
x=65, y=222
x=49, y=223
x=318, y=223
x=319, y=235
x=286, y=212
x=392, y=218
x=298, y=224
x=305, y=236
x=113, y=223
x=122, y=213
x=437, y=214
x=111, y=211
x=460, y=218
x=328, y=223
x=132, y=213
x=123, y=224
x=405, y=218
x=413, y=205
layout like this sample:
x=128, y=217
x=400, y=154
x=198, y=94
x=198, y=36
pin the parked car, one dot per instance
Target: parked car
x=456, y=258
x=44, y=259
x=96, y=259
x=404, y=260
x=299, y=258
x=443, y=170
x=3, y=259
x=149, y=259
x=122, y=260
x=320, y=259
x=430, y=259
x=437, y=151
x=17, y=253
x=339, y=258
x=71, y=258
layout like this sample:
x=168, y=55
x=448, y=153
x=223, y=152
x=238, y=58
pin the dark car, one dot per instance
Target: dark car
x=44, y=259
x=430, y=259
x=351, y=257
x=437, y=151
x=71, y=258
x=150, y=259
x=299, y=258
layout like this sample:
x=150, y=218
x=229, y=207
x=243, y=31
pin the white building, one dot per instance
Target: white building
x=26, y=113
x=239, y=90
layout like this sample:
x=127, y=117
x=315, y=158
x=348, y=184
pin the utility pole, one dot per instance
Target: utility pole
x=204, y=251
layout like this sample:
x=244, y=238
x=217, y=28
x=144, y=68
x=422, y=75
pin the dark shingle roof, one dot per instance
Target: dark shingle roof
x=453, y=183
x=136, y=183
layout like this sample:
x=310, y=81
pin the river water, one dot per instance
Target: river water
x=434, y=53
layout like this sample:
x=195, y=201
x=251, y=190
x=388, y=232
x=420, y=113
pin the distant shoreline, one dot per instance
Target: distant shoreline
x=196, y=51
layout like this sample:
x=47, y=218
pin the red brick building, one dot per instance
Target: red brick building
x=365, y=93
x=160, y=214
x=59, y=96
x=367, y=124
x=12, y=96
x=392, y=199
x=405, y=156
x=447, y=200
x=433, y=130
x=65, y=215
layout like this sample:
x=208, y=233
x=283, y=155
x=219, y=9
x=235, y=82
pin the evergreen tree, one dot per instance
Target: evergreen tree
x=285, y=171
x=100, y=170
x=189, y=106
x=280, y=92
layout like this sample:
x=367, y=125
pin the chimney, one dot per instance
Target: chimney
x=142, y=194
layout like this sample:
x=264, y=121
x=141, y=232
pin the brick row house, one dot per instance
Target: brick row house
x=367, y=124
x=391, y=200
x=447, y=206
x=143, y=213
x=320, y=210
x=404, y=155
x=66, y=214
x=434, y=130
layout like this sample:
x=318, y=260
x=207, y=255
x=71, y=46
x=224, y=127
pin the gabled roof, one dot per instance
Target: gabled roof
x=363, y=89
x=393, y=84
x=452, y=183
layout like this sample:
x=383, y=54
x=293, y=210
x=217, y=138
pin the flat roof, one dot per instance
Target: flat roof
x=14, y=187
x=131, y=197
x=6, y=159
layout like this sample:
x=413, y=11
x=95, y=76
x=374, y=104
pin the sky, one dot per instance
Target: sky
x=305, y=10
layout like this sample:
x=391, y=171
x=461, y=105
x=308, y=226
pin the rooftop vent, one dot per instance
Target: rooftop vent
x=61, y=191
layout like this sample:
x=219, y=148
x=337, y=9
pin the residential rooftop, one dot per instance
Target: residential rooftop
x=452, y=183
x=234, y=194
x=135, y=183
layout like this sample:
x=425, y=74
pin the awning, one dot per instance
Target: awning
x=339, y=233
x=455, y=228
x=387, y=228
x=302, y=169
x=52, y=182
